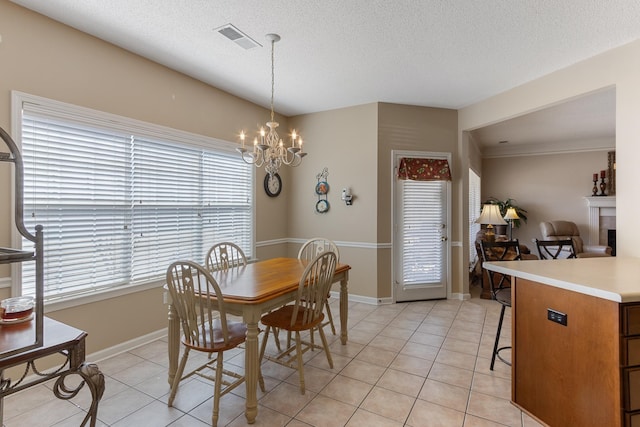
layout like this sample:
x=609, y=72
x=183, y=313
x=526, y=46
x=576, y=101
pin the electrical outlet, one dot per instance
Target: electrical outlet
x=557, y=316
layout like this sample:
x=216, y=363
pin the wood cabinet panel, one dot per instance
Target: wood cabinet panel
x=631, y=377
x=566, y=375
x=631, y=319
x=632, y=420
x=631, y=351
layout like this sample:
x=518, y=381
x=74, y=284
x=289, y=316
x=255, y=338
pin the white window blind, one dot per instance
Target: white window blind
x=474, y=213
x=422, y=222
x=118, y=207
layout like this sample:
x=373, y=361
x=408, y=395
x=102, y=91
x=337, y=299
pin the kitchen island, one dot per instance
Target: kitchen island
x=576, y=340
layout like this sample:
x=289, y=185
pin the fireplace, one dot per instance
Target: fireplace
x=611, y=241
x=602, y=217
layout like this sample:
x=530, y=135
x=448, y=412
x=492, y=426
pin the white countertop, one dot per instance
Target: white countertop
x=612, y=278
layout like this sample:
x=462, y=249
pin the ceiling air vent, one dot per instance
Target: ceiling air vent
x=237, y=36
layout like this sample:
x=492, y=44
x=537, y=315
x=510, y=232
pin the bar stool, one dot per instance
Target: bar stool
x=554, y=249
x=500, y=284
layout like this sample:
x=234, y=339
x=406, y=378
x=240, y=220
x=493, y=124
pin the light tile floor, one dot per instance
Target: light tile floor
x=409, y=364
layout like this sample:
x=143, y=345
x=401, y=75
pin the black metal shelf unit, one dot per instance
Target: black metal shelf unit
x=10, y=255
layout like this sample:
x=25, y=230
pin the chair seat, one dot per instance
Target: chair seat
x=503, y=296
x=281, y=318
x=237, y=335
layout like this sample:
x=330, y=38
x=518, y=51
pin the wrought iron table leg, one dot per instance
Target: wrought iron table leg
x=94, y=379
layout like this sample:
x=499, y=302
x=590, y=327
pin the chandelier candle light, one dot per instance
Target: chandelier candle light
x=268, y=148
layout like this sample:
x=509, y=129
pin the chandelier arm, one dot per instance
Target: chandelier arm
x=244, y=156
x=253, y=158
x=259, y=160
x=296, y=162
x=285, y=158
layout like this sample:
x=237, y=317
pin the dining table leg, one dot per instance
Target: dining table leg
x=344, y=308
x=173, y=343
x=251, y=317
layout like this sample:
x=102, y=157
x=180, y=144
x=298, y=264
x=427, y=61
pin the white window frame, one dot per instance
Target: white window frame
x=475, y=206
x=120, y=123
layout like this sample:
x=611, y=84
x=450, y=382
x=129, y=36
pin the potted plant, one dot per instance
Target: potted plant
x=504, y=205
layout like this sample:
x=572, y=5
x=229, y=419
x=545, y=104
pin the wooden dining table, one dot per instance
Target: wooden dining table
x=249, y=291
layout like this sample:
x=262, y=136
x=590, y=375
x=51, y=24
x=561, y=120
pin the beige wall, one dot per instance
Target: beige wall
x=617, y=67
x=345, y=142
x=549, y=187
x=404, y=127
x=42, y=57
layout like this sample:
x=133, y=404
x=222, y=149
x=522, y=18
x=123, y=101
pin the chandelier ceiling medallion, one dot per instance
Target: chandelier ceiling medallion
x=268, y=148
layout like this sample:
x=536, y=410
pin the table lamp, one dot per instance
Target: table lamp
x=511, y=215
x=490, y=216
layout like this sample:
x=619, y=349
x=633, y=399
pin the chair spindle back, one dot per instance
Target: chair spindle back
x=225, y=255
x=198, y=301
x=314, y=287
x=317, y=245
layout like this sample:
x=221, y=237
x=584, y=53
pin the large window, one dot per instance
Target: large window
x=120, y=200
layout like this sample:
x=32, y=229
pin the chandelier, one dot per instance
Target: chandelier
x=268, y=149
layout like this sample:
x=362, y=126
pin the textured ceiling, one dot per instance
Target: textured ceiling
x=340, y=53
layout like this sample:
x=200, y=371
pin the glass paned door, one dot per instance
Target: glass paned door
x=420, y=240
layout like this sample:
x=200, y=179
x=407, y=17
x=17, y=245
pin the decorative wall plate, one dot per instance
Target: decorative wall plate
x=322, y=187
x=322, y=206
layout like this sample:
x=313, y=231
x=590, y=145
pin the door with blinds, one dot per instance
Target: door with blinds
x=422, y=183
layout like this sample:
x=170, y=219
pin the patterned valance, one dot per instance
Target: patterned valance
x=417, y=169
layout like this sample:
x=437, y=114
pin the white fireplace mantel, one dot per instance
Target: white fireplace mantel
x=599, y=206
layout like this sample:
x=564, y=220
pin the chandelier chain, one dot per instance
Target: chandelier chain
x=273, y=73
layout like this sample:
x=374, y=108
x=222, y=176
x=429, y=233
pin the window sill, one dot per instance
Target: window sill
x=70, y=302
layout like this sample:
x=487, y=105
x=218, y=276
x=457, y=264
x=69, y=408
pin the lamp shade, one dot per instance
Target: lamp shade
x=511, y=214
x=491, y=216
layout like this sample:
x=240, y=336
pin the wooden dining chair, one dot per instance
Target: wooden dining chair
x=199, y=304
x=311, y=249
x=306, y=314
x=225, y=255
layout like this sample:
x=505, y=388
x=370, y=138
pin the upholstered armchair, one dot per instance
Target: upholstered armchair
x=560, y=230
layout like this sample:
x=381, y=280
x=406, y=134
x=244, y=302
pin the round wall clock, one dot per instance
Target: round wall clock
x=272, y=185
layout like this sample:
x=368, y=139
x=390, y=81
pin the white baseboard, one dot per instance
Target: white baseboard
x=460, y=296
x=364, y=300
x=125, y=346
